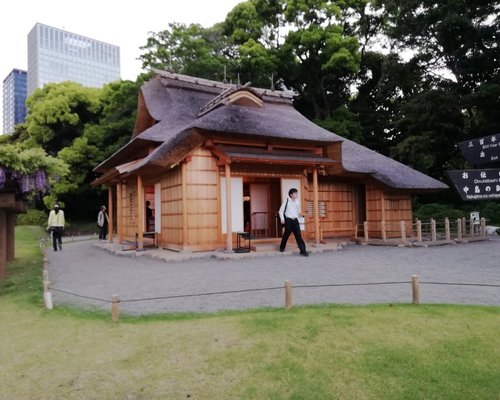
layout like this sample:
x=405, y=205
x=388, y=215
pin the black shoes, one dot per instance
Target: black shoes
x=282, y=250
x=305, y=254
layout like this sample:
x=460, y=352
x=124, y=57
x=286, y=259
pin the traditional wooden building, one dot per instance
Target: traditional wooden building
x=215, y=159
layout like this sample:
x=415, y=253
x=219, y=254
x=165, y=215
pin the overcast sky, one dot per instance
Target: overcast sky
x=122, y=23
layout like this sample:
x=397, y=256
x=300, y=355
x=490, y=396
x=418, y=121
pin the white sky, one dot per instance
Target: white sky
x=122, y=23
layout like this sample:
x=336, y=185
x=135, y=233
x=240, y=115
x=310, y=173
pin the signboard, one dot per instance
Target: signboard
x=477, y=184
x=474, y=217
x=482, y=150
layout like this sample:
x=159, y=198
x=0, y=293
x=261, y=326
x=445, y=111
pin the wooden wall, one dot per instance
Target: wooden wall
x=171, y=209
x=336, y=200
x=203, y=201
x=387, y=205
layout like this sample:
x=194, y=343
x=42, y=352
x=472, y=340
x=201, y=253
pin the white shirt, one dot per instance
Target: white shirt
x=292, y=209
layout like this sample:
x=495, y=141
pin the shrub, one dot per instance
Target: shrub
x=33, y=217
x=438, y=212
x=491, y=212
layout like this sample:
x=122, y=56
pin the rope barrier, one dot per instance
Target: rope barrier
x=79, y=295
x=350, y=284
x=458, y=284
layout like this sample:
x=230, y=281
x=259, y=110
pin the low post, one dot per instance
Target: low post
x=433, y=229
x=471, y=222
x=459, y=228
x=464, y=227
x=447, y=229
x=415, y=289
x=419, y=231
x=365, y=227
x=115, y=308
x=355, y=231
x=384, y=233
x=483, y=227
x=47, y=296
x=288, y=295
x=403, y=231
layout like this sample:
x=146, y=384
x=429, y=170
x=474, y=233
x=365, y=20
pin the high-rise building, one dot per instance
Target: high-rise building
x=55, y=55
x=14, y=99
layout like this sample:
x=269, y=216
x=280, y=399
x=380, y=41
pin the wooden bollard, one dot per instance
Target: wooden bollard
x=464, y=227
x=459, y=228
x=483, y=227
x=288, y=295
x=365, y=228
x=115, y=308
x=447, y=229
x=384, y=233
x=433, y=230
x=403, y=231
x=47, y=296
x=419, y=230
x=415, y=289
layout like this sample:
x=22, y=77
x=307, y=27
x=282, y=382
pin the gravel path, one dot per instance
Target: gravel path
x=85, y=269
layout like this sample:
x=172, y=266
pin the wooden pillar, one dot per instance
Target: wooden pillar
x=464, y=227
x=433, y=230
x=316, y=205
x=11, y=234
x=383, y=206
x=384, y=232
x=365, y=228
x=3, y=244
x=184, y=206
x=483, y=227
x=403, y=231
x=119, y=212
x=110, y=213
x=415, y=289
x=229, y=223
x=140, y=214
x=447, y=229
x=419, y=231
x=459, y=228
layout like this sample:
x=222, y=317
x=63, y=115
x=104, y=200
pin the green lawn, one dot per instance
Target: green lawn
x=328, y=352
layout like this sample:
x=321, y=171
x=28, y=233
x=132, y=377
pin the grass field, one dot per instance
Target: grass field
x=327, y=352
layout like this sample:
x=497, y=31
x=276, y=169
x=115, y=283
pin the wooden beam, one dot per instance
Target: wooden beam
x=184, y=206
x=140, y=214
x=229, y=223
x=316, y=205
x=119, y=212
x=110, y=213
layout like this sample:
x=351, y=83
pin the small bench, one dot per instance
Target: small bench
x=241, y=236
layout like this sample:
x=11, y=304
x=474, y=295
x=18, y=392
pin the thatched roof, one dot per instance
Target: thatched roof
x=186, y=107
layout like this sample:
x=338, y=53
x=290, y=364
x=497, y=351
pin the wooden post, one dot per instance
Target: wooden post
x=433, y=229
x=355, y=231
x=384, y=233
x=115, y=308
x=483, y=227
x=459, y=228
x=419, y=231
x=119, y=212
x=316, y=205
x=140, y=214
x=229, y=222
x=47, y=296
x=471, y=224
x=365, y=227
x=184, y=205
x=403, y=231
x=321, y=234
x=415, y=289
x=110, y=214
x=447, y=228
x=288, y=295
x=464, y=227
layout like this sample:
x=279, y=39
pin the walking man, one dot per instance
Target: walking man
x=55, y=224
x=102, y=222
x=289, y=213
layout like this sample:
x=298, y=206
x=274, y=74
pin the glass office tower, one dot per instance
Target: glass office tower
x=14, y=99
x=55, y=55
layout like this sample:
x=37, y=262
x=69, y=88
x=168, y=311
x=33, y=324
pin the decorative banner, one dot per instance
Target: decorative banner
x=482, y=150
x=477, y=184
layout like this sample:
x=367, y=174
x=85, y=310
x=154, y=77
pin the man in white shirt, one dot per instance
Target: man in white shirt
x=289, y=213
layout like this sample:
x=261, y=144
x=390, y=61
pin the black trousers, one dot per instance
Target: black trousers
x=57, y=237
x=292, y=225
x=103, y=230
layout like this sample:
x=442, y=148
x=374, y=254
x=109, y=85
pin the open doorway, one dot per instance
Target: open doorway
x=359, y=192
x=261, y=201
x=149, y=201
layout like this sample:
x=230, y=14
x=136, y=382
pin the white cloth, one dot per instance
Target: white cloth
x=101, y=217
x=292, y=209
